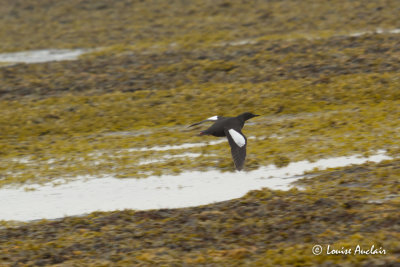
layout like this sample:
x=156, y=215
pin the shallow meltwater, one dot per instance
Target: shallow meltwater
x=87, y=194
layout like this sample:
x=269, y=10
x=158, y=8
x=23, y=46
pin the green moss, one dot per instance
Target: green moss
x=164, y=24
x=97, y=135
x=235, y=232
x=281, y=161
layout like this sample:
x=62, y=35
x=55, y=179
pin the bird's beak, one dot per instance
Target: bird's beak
x=256, y=115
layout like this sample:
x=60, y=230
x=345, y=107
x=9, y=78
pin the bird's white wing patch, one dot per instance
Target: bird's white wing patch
x=213, y=118
x=237, y=137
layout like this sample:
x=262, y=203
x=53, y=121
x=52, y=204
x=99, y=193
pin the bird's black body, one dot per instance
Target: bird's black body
x=217, y=129
x=231, y=127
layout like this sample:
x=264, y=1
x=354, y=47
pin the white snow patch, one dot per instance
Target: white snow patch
x=171, y=147
x=377, y=31
x=45, y=55
x=88, y=194
x=166, y=157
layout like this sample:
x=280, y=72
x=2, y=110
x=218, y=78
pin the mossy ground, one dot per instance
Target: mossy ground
x=167, y=64
x=352, y=206
x=305, y=115
x=157, y=23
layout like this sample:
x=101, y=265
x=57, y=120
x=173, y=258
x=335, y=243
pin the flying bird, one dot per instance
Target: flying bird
x=231, y=127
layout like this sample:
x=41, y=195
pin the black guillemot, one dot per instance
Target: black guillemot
x=231, y=127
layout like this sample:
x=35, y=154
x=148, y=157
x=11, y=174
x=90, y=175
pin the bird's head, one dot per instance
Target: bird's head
x=247, y=115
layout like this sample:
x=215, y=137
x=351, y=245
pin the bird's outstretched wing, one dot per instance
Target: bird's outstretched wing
x=238, y=143
x=214, y=118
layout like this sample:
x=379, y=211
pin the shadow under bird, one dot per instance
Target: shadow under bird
x=231, y=127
